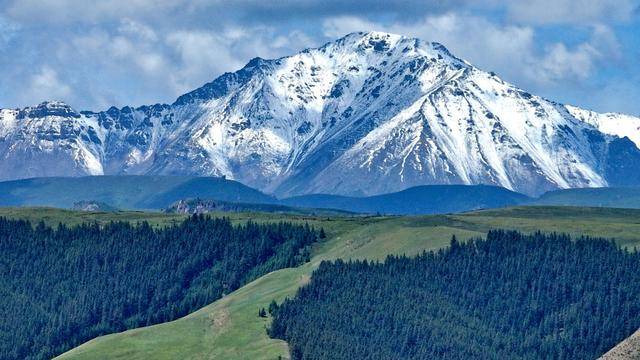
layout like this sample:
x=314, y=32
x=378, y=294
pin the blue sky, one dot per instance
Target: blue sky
x=134, y=52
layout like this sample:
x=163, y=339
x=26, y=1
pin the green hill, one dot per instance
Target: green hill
x=546, y=289
x=54, y=216
x=66, y=285
x=159, y=192
x=622, y=197
x=442, y=199
x=202, y=206
x=431, y=199
x=230, y=328
x=124, y=192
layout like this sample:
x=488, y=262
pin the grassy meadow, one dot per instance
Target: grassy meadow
x=230, y=328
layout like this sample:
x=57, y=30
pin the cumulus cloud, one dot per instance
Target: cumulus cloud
x=279, y=10
x=141, y=31
x=131, y=62
x=511, y=50
x=485, y=44
x=524, y=11
x=202, y=55
x=46, y=85
x=341, y=25
x=561, y=63
x=201, y=12
x=132, y=52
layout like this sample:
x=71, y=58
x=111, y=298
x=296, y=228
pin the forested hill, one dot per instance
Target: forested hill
x=511, y=296
x=61, y=287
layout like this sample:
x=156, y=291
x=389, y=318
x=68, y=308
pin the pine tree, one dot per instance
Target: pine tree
x=509, y=295
x=273, y=307
x=120, y=275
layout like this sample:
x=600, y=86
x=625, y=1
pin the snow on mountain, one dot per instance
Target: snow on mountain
x=366, y=114
x=620, y=125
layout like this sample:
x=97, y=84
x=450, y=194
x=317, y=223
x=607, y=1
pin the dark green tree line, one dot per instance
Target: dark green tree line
x=62, y=286
x=510, y=296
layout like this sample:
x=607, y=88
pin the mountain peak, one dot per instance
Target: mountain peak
x=369, y=113
x=52, y=104
x=49, y=108
x=372, y=40
x=384, y=43
x=364, y=36
x=367, y=51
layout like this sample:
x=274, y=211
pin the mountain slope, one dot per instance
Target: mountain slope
x=160, y=192
x=124, y=192
x=230, y=328
x=596, y=197
x=434, y=199
x=369, y=113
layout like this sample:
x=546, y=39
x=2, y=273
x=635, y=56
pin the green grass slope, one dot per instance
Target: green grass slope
x=54, y=216
x=230, y=328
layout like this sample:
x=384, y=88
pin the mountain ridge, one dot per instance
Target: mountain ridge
x=124, y=192
x=367, y=114
x=144, y=192
x=419, y=200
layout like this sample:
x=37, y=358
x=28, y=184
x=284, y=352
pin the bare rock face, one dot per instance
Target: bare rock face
x=194, y=206
x=629, y=349
x=93, y=206
x=366, y=114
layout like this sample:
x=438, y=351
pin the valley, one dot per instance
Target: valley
x=230, y=328
x=214, y=194
x=389, y=144
x=65, y=285
x=307, y=180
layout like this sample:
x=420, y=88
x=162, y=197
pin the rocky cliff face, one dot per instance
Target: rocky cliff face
x=366, y=114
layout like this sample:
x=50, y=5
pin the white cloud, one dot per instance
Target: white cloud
x=485, y=44
x=134, y=63
x=201, y=55
x=339, y=26
x=561, y=63
x=139, y=51
x=204, y=54
x=46, y=85
x=510, y=50
x=580, y=62
x=131, y=27
x=133, y=45
x=293, y=41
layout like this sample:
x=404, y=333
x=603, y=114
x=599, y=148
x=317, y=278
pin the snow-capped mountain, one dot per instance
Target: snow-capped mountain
x=366, y=114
